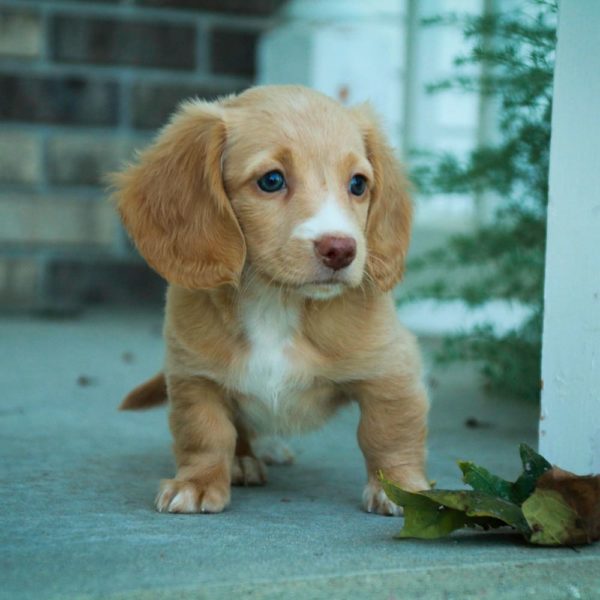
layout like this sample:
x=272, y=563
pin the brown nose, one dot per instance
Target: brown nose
x=336, y=252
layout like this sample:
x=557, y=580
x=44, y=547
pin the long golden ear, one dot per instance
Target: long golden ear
x=174, y=205
x=390, y=212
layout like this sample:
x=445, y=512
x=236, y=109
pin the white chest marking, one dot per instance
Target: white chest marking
x=270, y=326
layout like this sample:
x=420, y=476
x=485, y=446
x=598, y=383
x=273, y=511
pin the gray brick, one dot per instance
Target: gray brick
x=72, y=100
x=71, y=282
x=260, y=8
x=123, y=42
x=19, y=157
x=81, y=1
x=152, y=104
x=233, y=52
x=19, y=281
x=80, y=159
x=31, y=220
x=20, y=34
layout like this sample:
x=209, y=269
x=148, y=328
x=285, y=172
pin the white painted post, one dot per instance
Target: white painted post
x=352, y=50
x=570, y=417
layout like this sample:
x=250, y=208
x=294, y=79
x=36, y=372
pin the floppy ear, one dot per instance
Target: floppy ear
x=390, y=211
x=174, y=205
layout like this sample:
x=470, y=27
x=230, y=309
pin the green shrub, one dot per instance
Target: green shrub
x=513, y=57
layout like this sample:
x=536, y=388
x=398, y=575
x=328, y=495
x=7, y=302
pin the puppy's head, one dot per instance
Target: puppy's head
x=281, y=178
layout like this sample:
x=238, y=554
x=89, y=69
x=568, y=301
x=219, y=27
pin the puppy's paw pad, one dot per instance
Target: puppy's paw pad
x=374, y=500
x=273, y=451
x=248, y=470
x=190, y=497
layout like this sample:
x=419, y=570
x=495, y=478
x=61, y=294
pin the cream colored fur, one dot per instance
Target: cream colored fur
x=262, y=336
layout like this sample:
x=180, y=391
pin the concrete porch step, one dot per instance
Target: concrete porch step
x=78, y=480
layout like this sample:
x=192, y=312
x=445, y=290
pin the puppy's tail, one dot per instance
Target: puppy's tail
x=147, y=395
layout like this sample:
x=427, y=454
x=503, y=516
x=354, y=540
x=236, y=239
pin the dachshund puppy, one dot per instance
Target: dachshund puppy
x=281, y=221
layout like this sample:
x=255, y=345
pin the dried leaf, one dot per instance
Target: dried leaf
x=547, y=505
x=582, y=495
x=553, y=522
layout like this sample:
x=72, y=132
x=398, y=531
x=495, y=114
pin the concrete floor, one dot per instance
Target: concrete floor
x=78, y=479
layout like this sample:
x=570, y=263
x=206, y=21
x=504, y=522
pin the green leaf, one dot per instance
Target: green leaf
x=423, y=518
x=431, y=514
x=482, y=480
x=430, y=522
x=534, y=466
x=552, y=521
x=402, y=497
x=479, y=504
x=558, y=508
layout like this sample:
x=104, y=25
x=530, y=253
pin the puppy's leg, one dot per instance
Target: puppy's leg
x=247, y=468
x=205, y=439
x=391, y=434
x=273, y=450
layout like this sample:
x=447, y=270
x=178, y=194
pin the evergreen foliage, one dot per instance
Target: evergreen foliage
x=511, y=58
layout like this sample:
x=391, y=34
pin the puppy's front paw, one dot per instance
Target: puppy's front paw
x=248, y=470
x=374, y=500
x=176, y=496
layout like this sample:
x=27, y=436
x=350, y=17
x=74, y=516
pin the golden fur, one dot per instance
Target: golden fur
x=260, y=336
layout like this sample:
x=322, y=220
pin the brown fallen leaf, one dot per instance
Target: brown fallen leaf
x=581, y=493
x=547, y=505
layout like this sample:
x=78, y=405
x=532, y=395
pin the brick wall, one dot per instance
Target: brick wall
x=82, y=84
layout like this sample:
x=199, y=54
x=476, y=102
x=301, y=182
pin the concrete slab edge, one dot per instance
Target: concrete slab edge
x=550, y=579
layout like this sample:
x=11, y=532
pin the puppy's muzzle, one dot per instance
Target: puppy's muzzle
x=335, y=252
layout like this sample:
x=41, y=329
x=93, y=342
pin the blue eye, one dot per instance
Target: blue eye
x=271, y=182
x=358, y=185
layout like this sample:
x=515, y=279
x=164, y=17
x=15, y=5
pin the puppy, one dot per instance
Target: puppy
x=281, y=221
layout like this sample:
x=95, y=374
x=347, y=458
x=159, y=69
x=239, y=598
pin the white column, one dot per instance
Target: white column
x=446, y=121
x=570, y=418
x=351, y=50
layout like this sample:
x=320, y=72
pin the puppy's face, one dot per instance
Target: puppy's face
x=299, y=180
x=280, y=179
